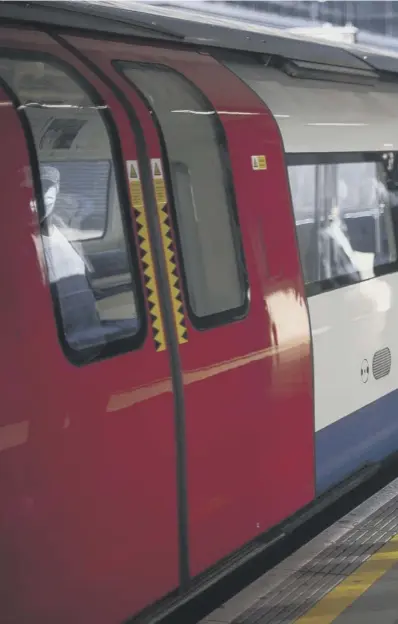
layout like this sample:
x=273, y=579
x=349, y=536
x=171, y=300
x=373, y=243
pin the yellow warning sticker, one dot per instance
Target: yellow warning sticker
x=259, y=163
x=158, y=181
x=137, y=201
x=135, y=183
x=157, y=168
x=134, y=172
x=168, y=248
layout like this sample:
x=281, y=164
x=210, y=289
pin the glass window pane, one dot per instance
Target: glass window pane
x=343, y=217
x=83, y=245
x=207, y=229
x=302, y=185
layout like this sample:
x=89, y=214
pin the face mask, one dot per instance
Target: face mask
x=50, y=187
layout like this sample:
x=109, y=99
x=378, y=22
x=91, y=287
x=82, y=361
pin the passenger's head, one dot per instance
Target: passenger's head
x=50, y=180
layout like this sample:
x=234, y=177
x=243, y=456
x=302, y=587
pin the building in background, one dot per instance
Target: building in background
x=377, y=16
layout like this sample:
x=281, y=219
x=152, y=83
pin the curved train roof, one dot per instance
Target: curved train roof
x=197, y=28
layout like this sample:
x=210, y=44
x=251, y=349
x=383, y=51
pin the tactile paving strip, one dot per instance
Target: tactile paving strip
x=292, y=598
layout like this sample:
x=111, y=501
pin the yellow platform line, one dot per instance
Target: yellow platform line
x=349, y=590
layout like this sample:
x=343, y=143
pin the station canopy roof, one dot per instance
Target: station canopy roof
x=189, y=26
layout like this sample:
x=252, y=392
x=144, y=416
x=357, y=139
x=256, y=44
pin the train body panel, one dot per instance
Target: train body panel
x=345, y=133
x=203, y=292
x=355, y=413
x=316, y=116
x=98, y=479
x=243, y=346
x=93, y=509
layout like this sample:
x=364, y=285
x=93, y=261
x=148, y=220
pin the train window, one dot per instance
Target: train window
x=212, y=258
x=83, y=244
x=343, y=206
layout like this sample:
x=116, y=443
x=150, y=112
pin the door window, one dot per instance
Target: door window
x=83, y=245
x=202, y=193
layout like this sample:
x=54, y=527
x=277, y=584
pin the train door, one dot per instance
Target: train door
x=234, y=281
x=88, y=497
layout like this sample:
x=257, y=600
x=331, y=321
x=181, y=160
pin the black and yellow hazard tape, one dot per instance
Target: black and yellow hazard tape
x=150, y=282
x=174, y=280
x=147, y=264
x=168, y=248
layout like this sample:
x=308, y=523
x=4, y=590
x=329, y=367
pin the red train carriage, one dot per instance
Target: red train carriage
x=156, y=354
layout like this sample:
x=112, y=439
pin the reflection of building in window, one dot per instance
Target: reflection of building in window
x=83, y=238
x=343, y=216
x=376, y=16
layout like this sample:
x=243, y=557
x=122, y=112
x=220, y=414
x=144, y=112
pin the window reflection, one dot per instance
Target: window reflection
x=83, y=241
x=209, y=237
x=343, y=216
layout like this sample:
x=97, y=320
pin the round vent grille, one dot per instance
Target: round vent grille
x=381, y=365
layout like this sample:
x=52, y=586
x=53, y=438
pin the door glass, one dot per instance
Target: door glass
x=83, y=246
x=197, y=156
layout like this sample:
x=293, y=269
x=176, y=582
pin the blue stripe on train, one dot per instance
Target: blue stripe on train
x=370, y=434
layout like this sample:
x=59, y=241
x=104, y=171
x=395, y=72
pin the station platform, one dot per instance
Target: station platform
x=346, y=575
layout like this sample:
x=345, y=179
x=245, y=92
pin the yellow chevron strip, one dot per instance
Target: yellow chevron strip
x=137, y=201
x=168, y=248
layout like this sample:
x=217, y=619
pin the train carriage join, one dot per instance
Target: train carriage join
x=200, y=289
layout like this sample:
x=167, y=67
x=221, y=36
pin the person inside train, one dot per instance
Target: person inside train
x=68, y=273
x=387, y=191
x=336, y=253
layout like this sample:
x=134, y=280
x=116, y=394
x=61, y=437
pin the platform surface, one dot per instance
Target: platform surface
x=378, y=605
x=347, y=575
